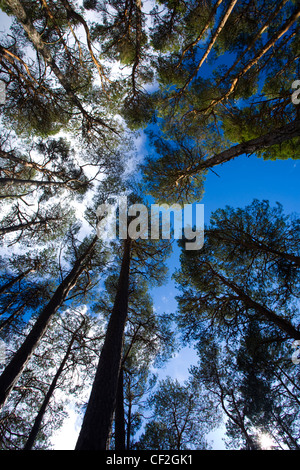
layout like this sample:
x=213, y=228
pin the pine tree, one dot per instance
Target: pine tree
x=13, y=370
x=231, y=284
x=180, y=419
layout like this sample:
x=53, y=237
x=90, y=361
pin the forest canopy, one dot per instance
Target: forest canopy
x=103, y=102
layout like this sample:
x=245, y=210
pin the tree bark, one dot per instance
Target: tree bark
x=253, y=244
x=212, y=42
x=36, y=39
x=97, y=422
x=16, y=279
x=16, y=228
x=271, y=316
x=120, y=415
x=128, y=430
x=39, y=418
x=275, y=137
x=201, y=34
x=14, y=369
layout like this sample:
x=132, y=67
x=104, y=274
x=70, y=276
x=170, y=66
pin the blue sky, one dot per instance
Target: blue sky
x=239, y=182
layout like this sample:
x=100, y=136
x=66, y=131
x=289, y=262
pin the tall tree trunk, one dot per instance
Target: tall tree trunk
x=27, y=225
x=128, y=430
x=262, y=247
x=202, y=32
x=256, y=37
x=97, y=422
x=212, y=42
x=16, y=279
x=250, y=242
x=238, y=419
x=77, y=17
x=275, y=137
x=11, y=318
x=38, y=183
x=39, y=418
x=120, y=415
x=271, y=316
x=29, y=164
x=14, y=369
x=271, y=43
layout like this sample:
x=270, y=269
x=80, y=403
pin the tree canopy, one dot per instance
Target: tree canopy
x=106, y=101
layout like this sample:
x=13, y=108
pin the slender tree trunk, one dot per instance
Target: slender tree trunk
x=97, y=422
x=128, y=430
x=27, y=225
x=251, y=243
x=238, y=419
x=212, y=41
x=9, y=304
x=39, y=418
x=76, y=16
x=200, y=35
x=271, y=43
x=271, y=316
x=289, y=439
x=16, y=279
x=36, y=39
x=275, y=137
x=256, y=37
x=10, y=319
x=120, y=415
x=288, y=256
x=14, y=369
x=28, y=164
x=138, y=37
x=15, y=181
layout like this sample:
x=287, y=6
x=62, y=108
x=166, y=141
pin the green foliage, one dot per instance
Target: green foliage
x=165, y=175
x=33, y=114
x=181, y=419
x=84, y=71
x=90, y=4
x=241, y=260
x=138, y=110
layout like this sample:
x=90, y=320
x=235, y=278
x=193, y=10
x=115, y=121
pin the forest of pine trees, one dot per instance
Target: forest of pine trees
x=149, y=100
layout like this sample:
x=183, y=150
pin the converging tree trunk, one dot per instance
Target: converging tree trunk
x=39, y=418
x=16, y=279
x=27, y=225
x=248, y=241
x=13, y=316
x=212, y=41
x=274, y=137
x=120, y=434
x=97, y=422
x=13, y=370
x=271, y=316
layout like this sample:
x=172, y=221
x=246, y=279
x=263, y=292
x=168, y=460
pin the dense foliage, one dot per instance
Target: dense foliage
x=202, y=83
